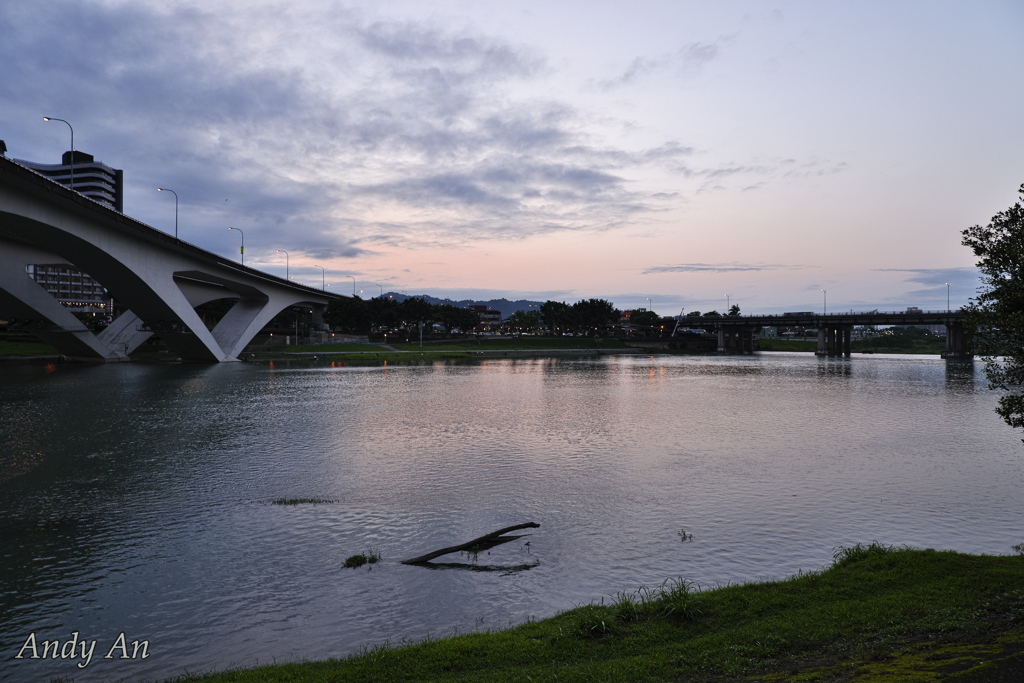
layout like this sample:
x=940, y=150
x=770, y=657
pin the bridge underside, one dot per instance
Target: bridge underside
x=835, y=336
x=171, y=315
x=158, y=279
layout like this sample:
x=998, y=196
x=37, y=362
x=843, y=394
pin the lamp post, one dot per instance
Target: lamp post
x=243, y=243
x=164, y=189
x=353, y=285
x=728, y=303
x=285, y=262
x=323, y=277
x=381, y=291
x=947, y=297
x=824, y=301
x=50, y=118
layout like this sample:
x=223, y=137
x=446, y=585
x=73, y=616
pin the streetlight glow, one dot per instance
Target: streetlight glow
x=243, y=243
x=164, y=189
x=285, y=262
x=50, y=118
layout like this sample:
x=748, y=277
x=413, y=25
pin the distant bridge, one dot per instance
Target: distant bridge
x=158, y=278
x=835, y=331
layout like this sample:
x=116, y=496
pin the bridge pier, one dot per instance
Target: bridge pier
x=55, y=325
x=158, y=278
x=834, y=340
x=958, y=341
x=736, y=339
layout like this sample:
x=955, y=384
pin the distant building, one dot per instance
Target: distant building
x=93, y=179
x=73, y=289
x=488, y=317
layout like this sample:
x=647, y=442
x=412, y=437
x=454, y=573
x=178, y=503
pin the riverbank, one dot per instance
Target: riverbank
x=876, y=614
x=22, y=348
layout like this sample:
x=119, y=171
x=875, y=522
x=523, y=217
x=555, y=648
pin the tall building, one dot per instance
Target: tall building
x=82, y=173
x=74, y=289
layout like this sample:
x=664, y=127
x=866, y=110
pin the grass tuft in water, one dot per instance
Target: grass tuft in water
x=301, y=501
x=356, y=561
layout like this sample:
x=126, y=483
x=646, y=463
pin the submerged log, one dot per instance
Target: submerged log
x=477, y=544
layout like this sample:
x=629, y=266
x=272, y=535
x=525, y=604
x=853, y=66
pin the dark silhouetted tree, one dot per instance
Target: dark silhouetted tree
x=558, y=316
x=593, y=315
x=998, y=309
x=348, y=314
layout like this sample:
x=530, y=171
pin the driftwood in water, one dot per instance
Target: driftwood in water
x=477, y=544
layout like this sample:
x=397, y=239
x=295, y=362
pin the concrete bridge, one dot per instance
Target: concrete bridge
x=156, y=277
x=835, y=331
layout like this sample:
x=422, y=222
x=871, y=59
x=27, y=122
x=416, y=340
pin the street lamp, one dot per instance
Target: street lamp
x=323, y=277
x=243, y=243
x=164, y=189
x=947, y=297
x=285, y=262
x=50, y=118
x=381, y=291
x=649, y=303
x=824, y=301
x=353, y=284
x=728, y=303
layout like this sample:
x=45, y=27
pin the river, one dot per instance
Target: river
x=140, y=499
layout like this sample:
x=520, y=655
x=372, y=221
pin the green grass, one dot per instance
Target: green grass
x=356, y=561
x=24, y=345
x=516, y=344
x=883, y=344
x=876, y=614
x=898, y=344
x=301, y=501
x=332, y=348
x=786, y=345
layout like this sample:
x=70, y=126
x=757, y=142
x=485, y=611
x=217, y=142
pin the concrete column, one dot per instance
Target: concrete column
x=822, y=349
x=721, y=340
x=847, y=340
x=23, y=297
x=958, y=341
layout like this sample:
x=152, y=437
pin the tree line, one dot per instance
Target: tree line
x=588, y=317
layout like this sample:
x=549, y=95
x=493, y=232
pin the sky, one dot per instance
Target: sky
x=674, y=155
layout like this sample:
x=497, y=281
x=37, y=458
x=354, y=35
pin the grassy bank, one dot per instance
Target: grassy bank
x=20, y=344
x=911, y=340
x=787, y=345
x=518, y=344
x=876, y=614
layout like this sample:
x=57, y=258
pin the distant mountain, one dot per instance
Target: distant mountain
x=506, y=307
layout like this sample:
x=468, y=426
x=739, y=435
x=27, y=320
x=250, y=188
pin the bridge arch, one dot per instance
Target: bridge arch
x=159, y=278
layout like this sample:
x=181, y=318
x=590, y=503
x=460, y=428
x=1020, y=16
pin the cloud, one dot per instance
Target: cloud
x=689, y=59
x=333, y=135
x=718, y=268
x=959, y=278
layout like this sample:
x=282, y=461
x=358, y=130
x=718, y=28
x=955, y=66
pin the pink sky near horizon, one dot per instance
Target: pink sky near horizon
x=672, y=151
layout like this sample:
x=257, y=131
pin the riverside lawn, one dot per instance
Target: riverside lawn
x=877, y=613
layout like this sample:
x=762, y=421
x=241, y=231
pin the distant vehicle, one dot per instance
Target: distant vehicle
x=800, y=313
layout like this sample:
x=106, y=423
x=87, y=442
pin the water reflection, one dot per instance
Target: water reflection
x=960, y=375
x=132, y=497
